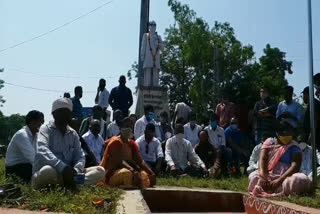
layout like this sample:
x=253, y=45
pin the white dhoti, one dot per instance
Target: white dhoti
x=151, y=77
x=48, y=175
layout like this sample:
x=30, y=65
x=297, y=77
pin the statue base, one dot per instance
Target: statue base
x=155, y=96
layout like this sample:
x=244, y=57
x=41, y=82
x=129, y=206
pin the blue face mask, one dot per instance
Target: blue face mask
x=151, y=116
x=213, y=124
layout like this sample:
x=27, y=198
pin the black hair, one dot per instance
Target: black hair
x=150, y=127
x=102, y=80
x=148, y=108
x=66, y=95
x=283, y=126
x=289, y=88
x=124, y=121
x=77, y=88
x=122, y=77
x=97, y=108
x=178, y=126
x=213, y=116
x=203, y=130
x=33, y=115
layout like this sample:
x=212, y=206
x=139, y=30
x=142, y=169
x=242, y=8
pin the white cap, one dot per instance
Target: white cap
x=62, y=103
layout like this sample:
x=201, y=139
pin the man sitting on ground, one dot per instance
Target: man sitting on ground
x=236, y=141
x=179, y=153
x=208, y=154
x=94, y=140
x=59, y=157
x=97, y=113
x=21, y=150
x=150, y=148
x=123, y=163
x=149, y=117
x=113, y=127
x=191, y=130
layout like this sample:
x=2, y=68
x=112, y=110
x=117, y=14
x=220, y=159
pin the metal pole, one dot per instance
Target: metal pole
x=311, y=98
x=144, y=19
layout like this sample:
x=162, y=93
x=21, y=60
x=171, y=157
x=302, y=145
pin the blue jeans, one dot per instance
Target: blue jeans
x=226, y=158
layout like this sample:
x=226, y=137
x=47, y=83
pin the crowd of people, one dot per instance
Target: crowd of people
x=270, y=143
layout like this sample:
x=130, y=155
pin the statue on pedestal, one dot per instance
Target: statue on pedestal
x=151, y=46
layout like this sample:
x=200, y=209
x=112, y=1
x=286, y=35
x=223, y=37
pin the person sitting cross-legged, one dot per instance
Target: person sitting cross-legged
x=123, y=163
x=181, y=157
x=21, y=149
x=150, y=148
x=94, y=139
x=208, y=154
x=279, y=165
x=59, y=157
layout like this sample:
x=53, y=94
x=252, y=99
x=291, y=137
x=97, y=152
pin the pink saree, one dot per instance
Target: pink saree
x=295, y=184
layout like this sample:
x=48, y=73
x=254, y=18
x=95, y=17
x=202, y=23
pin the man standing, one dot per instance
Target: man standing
x=265, y=115
x=150, y=149
x=114, y=127
x=94, y=140
x=77, y=106
x=97, y=113
x=288, y=109
x=59, y=157
x=225, y=111
x=179, y=153
x=306, y=122
x=121, y=97
x=191, y=130
x=21, y=149
x=102, y=96
x=141, y=124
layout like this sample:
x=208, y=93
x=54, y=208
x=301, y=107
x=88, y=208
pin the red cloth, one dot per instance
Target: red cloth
x=225, y=111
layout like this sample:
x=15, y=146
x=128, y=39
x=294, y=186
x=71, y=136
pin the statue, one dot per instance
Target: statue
x=151, y=46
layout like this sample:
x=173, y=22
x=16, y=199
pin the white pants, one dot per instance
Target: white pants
x=151, y=77
x=49, y=175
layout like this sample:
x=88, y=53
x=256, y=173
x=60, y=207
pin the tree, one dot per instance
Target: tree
x=1, y=86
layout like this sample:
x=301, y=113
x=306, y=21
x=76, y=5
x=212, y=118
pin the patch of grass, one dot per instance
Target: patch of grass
x=61, y=200
x=240, y=185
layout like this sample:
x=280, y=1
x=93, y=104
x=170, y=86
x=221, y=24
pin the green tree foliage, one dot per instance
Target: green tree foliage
x=9, y=126
x=196, y=74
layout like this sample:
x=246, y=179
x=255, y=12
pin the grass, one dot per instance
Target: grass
x=240, y=185
x=60, y=200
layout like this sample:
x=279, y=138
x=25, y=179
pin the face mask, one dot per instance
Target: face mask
x=234, y=126
x=180, y=136
x=151, y=116
x=213, y=124
x=285, y=139
x=126, y=133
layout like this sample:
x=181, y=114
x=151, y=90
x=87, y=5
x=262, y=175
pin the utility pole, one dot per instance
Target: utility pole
x=216, y=58
x=144, y=20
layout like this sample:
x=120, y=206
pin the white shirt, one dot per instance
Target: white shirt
x=154, y=149
x=216, y=137
x=95, y=144
x=140, y=127
x=254, y=159
x=113, y=129
x=178, y=154
x=21, y=148
x=103, y=99
x=192, y=135
x=182, y=110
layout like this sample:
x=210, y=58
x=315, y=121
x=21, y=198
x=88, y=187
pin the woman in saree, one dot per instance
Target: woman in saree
x=279, y=166
x=123, y=163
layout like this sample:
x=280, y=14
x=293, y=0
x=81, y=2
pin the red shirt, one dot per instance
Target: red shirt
x=225, y=111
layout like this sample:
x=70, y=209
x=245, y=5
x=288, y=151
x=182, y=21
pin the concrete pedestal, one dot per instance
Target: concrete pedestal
x=155, y=96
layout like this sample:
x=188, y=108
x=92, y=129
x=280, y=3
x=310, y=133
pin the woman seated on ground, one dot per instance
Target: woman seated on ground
x=123, y=163
x=279, y=166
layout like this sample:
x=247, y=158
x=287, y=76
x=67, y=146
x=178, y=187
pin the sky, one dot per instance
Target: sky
x=105, y=43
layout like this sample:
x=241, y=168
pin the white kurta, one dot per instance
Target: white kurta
x=146, y=55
